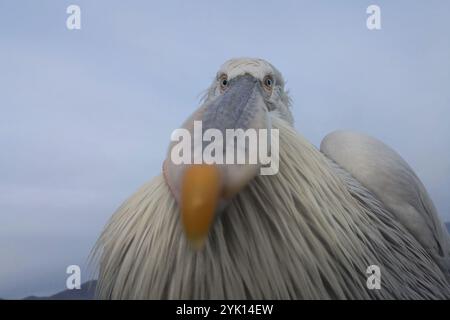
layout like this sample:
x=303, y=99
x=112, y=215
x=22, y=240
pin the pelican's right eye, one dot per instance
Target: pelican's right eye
x=223, y=81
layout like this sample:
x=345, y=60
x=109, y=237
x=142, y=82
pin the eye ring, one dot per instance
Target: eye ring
x=268, y=82
x=223, y=81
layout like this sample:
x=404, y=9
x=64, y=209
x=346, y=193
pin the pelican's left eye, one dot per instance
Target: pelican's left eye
x=268, y=82
x=223, y=81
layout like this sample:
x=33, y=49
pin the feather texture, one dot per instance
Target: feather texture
x=308, y=232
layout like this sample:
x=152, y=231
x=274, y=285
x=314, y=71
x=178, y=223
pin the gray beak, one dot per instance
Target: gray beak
x=238, y=107
x=202, y=190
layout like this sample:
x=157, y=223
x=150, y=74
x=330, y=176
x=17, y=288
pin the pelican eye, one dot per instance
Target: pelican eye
x=268, y=82
x=223, y=81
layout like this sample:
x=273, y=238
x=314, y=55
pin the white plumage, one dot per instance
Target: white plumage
x=308, y=232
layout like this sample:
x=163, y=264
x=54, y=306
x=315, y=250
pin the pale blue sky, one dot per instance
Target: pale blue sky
x=86, y=115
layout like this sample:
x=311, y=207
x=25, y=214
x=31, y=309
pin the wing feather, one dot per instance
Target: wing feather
x=382, y=171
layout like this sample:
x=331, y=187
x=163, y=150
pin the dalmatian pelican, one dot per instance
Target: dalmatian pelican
x=310, y=231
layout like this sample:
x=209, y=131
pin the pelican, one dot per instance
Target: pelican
x=310, y=231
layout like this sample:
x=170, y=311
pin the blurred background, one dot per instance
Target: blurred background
x=86, y=115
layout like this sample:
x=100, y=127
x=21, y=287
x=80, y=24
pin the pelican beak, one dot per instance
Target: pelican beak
x=200, y=192
x=203, y=190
